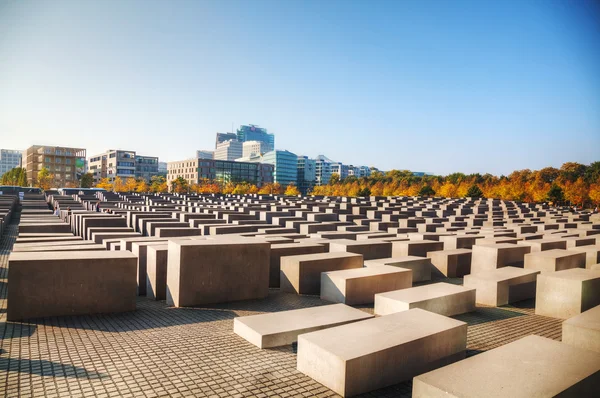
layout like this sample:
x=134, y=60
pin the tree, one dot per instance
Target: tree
x=426, y=190
x=105, y=184
x=474, y=192
x=16, y=176
x=334, y=179
x=87, y=180
x=594, y=192
x=364, y=192
x=158, y=184
x=142, y=186
x=576, y=192
x=130, y=184
x=179, y=185
x=118, y=185
x=44, y=179
x=291, y=190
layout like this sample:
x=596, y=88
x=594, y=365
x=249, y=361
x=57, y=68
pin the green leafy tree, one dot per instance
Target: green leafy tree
x=179, y=185
x=556, y=194
x=364, y=192
x=474, y=192
x=16, y=176
x=334, y=179
x=44, y=179
x=87, y=180
x=426, y=190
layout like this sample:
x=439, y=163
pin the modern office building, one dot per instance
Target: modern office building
x=229, y=150
x=204, y=154
x=121, y=163
x=255, y=133
x=285, y=166
x=342, y=170
x=162, y=168
x=146, y=167
x=323, y=169
x=253, y=148
x=222, y=137
x=9, y=159
x=66, y=164
x=307, y=177
x=196, y=170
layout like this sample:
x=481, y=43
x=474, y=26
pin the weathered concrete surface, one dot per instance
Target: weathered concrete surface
x=415, y=248
x=282, y=328
x=554, y=260
x=566, y=293
x=288, y=249
x=583, y=330
x=492, y=256
x=301, y=274
x=156, y=271
x=502, y=286
x=360, y=285
x=441, y=298
x=533, y=366
x=46, y=284
x=216, y=271
x=454, y=263
x=420, y=266
x=369, y=249
x=363, y=356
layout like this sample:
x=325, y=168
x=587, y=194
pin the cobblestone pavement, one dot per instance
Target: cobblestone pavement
x=158, y=351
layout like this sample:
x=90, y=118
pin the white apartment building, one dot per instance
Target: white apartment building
x=253, y=148
x=229, y=150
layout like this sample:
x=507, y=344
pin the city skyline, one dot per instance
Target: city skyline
x=359, y=84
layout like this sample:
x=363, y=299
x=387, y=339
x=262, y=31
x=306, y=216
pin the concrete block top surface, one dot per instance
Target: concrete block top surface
x=363, y=272
x=589, y=319
x=425, y=292
x=502, y=274
x=66, y=255
x=322, y=256
x=554, y=253
x=394, y=260
x=305, y=318
x=358, y=339
x=451, y=252
x=533, y=366
x=218, y=242
x=575, y=274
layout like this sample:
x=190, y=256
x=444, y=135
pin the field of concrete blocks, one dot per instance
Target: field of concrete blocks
x=323, y=296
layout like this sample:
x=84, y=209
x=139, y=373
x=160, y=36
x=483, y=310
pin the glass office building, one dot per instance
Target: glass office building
x=285, y=166
x=255, y=133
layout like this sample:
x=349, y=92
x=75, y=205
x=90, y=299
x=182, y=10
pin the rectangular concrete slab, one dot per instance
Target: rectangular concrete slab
x=566, y=293
x=216, y=271
x=420, y=266
x=554, y=260
x=501, y=286
x=583, y=330
x=454, y=263
x=302, y=274
x=282, y=328
x=360, y=285
x=533, y=366
x=418, y=248
x=442, y=298
x=364, y=356
x=369, y=249
x=70, y=283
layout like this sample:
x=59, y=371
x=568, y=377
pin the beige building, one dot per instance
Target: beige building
x=187, y=169
x=66, y=164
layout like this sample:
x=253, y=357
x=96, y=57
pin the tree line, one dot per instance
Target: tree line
x=572, y=183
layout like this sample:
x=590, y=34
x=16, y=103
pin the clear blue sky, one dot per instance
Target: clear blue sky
x=440, y=86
